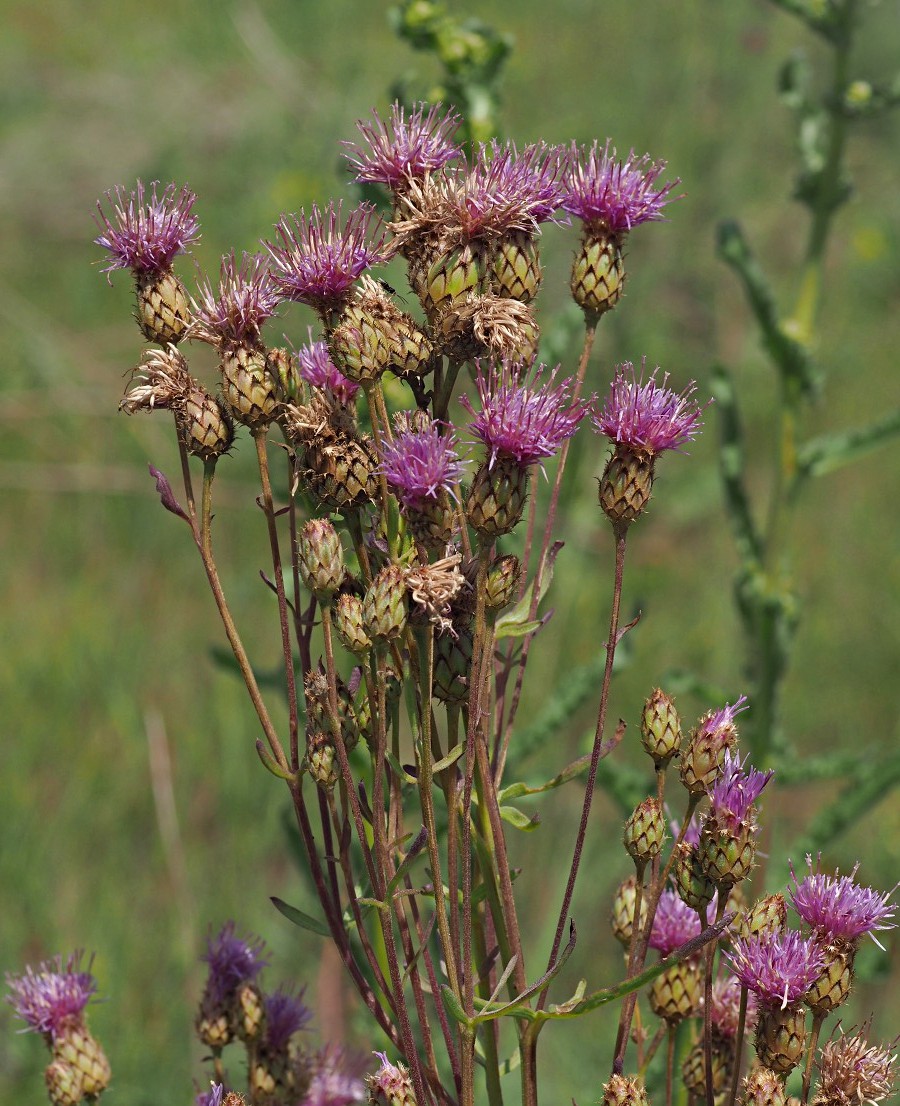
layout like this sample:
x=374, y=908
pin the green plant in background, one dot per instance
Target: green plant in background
x=407, y=568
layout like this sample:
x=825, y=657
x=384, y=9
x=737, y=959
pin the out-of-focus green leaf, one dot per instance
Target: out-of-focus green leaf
x=300, y=918
x=517, y=790
x=570, y=695
x=832, y=451
x=731, y=465
x=519, y=818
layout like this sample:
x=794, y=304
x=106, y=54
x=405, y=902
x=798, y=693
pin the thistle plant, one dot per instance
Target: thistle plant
x=407, y=623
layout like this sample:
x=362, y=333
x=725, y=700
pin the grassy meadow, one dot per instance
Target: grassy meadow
x=136, y=813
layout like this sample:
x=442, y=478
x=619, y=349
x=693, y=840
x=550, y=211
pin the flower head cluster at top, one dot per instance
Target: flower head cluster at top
x=232, y=960
x=245, y=299
x=839, y=909
x=778, y=968
x=620, y=194
x=524, y=417
x=53, y=995
x=646, y=416
x=735, y=792
x=144, y=233
x=407, y=147
x=421, y=462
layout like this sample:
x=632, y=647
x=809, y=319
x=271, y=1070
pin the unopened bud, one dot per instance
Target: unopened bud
x=622, y=916
x=660, y=728
x=386, y=605
x=321, y=558
x=502, y=583
x=348, y=622
x=626, y=484
x=645, y=831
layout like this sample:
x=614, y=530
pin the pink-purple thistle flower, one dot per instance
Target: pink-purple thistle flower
x=246, y=298
x=778, y=968
x=406, y=148
x=232, y=961
x=522, y=418
x=212, y=1097
x=735, y=792
x=337, y=1079
x=286, y=1014
x=646, y=416
x=53, y=996
x=519, y=188
x=422, y=462
x=725, y=1008
x=673, y=924
x=145, y=234
x=318, y=257
x=721, y=722
x=317, y=369
x=617, y=194
x=839, y=909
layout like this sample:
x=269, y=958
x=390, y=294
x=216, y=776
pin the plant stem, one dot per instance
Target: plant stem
x=738, y=1048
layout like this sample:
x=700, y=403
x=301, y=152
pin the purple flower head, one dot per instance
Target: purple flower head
x=619, y=194
x=145, y=235
x=837, y=907
x=246, y=298
x=422, y=462
x=778, y=968
x=521, y=418
x=720, y=723
x=646, y=416
x=406, y=148
x=336, y=1079
x=735, y=792
x=317, y=369
x=232, y=961
x=212, y=1097
x=286, y=1014
x=673, y=924
x=319, y=259
x=724, y=1011
x=523, y=187
x=691, y=834
x=54, y=995
x=391, y=1083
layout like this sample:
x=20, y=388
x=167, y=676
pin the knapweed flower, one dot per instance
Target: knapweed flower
x=724, y=1011
x=704, y=757
x=336, y=1079
x=735, y=792
x=246, y=298
x=406, y=148
x=851, y=1071
x=286, y=1014
x=421, y=462
x=145, y=234
x=528, y=183
x=232, y=961
x=777, y=968
x=523, y=418
x=839, y=909
x=619, y=193
x=673, y=925
x=318, y=257
x=610, y=196
x=53, y=996
x=642, y=420
x=390, y=1085
x=317, y=369
x=212, y=1097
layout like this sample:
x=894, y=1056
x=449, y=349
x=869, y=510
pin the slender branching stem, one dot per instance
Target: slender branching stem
x=738, y=1048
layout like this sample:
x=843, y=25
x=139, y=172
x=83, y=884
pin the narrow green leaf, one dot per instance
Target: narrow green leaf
x=299, y=918
x=454, y=1008
x=272, y=765
x=829, y=452
x=517, y=629
x=731, y=465
x=517, y=790
x=451, y=758
x=519, y=614
x=519, y=819
x=413, y=854
x=398, y=768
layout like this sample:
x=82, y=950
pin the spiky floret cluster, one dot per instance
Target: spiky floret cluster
x=286, y=1014
x=720, y=723
x=246, y=298
x=421, y=462
x=837, y=907
x=406, y=147
x=646, y=416
x=144, y=233
x=725, y=1008
x=212, y=1097
x=317, y=369
x=232, y=960
x=524, y=187
x=318, y=257
x=51, y=996
x=674, y=923
x=851, y=1071
x=523, y=417
x=620, y=194
x=735, y=792
x=777, y=968
x=336, y=1079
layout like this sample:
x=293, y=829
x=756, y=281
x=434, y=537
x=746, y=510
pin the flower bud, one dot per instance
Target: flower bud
x=660, y=728
x=693, y=1070
x=321, y=558
x=598, y=272
x=503, y=579
x=163, y=308
x=676, y=994
x=390, y=1085
x=497, y=497
x=626, y=484
x=767, y=915
x=762, y=1087
x=694, y=887
x=386, y=605
x=249, y=384
x=621, y=917
x=76, y=1048
x=348, y=622
x=623, y=1091
x=832, y=988
x=320, y=759
x=645, y=831
x=781, y=1037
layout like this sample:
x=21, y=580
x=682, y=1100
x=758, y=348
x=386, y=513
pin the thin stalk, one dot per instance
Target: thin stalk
x=707, y=997
x=268, y=504
x=738, y=1048
x=818, y=1018
x=670, y=1064
x=489, y=1034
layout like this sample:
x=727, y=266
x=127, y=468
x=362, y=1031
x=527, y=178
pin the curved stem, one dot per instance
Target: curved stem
x=738, y=1048
x=810, y=1056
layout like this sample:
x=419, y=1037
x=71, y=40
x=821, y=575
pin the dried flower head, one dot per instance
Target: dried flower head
x=851, y=1071
x=145, y=234
x=317, y=369
x=434, y=588
x=735, y=792
x=647, y=417
x=54, y=995
x=407, y=147
x=523, y=418
x=232, y=960
x=674, y=923
x=421, y=462
x=837, y=907
x=620, y=194
x=777, y=968
x=286, y=1014
x=246, y=298
x=318, y=258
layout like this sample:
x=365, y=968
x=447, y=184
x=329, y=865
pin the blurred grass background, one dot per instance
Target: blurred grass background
x=108, y=625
